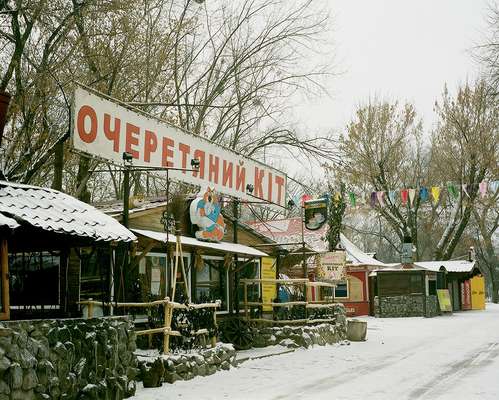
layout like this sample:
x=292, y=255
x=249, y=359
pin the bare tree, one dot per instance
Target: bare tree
x=486, y=222
x=487, y=54
x=384, y=152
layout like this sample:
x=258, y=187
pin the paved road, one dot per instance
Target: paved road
x=448, y=357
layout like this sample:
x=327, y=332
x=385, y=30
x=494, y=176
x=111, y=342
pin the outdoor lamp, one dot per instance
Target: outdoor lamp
x=195, y=163
x=249, y=188
x=127, y=157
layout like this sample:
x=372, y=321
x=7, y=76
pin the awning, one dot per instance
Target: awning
x=223, y=247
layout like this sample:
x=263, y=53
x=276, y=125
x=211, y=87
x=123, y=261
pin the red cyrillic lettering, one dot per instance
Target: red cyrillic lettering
x=240, y=178
x=259, y=174
x=150, y=145
x=83, y=112
x=132, y=139
x=279, y=180
x=269, y=188
x=227, y=173
x=185, y=149
x=167, y=152
x=213, y=168
x=112, y=134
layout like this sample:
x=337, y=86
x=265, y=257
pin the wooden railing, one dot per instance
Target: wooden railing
x=290, y=282
x=168, y=308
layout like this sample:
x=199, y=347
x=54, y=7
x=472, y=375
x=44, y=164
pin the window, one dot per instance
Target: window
x=341, y=290
x=211, y=282
x=34, y=279
x=250, y=271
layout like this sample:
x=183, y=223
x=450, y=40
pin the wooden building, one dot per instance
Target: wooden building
x=353, y=292
x=42, y=233
x=210, y=267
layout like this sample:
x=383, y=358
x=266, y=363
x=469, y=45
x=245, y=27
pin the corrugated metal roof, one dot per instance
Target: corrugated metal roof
x=54, y=211
x=189, y=241
x=450, y=266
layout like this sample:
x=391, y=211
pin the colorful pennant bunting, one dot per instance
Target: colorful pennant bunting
x=435, y=192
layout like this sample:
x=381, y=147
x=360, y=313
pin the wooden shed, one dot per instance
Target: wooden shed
x=42, y=232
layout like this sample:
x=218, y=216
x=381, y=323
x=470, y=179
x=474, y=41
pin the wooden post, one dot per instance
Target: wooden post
x=246, y=300
x=90, y=308
x=214, y=338
x=4, y=280
x=186, y=285
x=167, y=324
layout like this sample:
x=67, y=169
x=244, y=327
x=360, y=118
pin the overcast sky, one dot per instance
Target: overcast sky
x=394, y=49
x=398, y=49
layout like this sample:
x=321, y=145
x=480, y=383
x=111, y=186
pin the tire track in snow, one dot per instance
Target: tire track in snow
x=370, y=366
x=472, y=363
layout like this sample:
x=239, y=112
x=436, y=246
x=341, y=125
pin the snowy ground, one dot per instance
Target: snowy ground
x=448, y=357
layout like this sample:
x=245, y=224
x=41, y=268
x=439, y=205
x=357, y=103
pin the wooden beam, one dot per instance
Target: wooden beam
x=4, y=280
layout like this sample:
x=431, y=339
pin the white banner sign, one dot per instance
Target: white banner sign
x=333, y=265
x=106, y=129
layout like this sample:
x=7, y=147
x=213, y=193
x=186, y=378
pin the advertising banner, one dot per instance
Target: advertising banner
x=332, y=266
x=106, y=129
x=315, y=213
x=444, y=300
x=268, y=289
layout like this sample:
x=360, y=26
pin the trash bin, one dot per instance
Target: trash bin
x=356, y=330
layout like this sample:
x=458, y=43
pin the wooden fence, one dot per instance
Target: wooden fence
x=320, y=304
x=168, y=308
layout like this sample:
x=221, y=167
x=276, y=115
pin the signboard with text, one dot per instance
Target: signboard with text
x=269, y=292
x=332, y=266
x=106, y=129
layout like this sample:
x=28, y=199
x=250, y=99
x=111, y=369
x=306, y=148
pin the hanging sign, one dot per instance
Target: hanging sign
x=315, y=213
x=332, y=266
x=205, y=212
x=107, y=129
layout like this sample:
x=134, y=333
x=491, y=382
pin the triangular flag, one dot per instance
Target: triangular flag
x=379, y=196
x=452, y=190
x=435, y=192
x=353, y=202
x=392, y=195
x=373, y=199
x=482, y=187
x=423, y=194
x=412, y=196
x=404, y=194
x=465, y=189
x=493, y=186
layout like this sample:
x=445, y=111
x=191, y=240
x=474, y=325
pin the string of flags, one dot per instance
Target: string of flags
x=410, y=195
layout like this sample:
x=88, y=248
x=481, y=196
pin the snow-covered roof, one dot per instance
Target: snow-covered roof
x=58, y=212
x=224, y=247
x=450, y=266
x=115, y=208
x=289, y=231
x=8, y=222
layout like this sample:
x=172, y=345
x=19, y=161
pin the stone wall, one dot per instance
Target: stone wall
x=67, y=359
x=299, y=336
x=156, y=369
x=432, y=308
x=405, y=306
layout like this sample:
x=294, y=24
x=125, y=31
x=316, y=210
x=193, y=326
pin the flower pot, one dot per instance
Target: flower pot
x=356, y=330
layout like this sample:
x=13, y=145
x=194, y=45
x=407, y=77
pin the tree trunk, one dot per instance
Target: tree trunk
x=58, y=166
